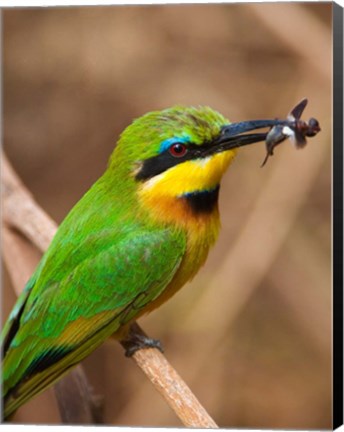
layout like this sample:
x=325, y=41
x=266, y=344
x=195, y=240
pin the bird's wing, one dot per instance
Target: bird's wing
x=69, y=319
x=12, y=321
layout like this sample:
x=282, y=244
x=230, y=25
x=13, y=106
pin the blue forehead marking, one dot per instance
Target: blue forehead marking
x=169, y=141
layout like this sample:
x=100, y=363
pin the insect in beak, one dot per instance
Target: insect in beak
x=294, y=128
x=234, y=135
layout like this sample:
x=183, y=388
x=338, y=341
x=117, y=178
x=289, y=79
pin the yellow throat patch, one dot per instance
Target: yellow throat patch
x=162, y=194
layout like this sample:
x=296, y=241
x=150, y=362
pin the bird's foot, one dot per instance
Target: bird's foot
x=136, y=340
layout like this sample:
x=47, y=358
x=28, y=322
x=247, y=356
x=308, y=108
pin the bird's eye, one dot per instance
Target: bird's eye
x=178, y=150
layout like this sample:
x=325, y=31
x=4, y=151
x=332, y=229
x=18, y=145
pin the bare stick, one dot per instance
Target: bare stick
x=177, y=394
x=23, y=213
x=20, y=211
x=86, y=411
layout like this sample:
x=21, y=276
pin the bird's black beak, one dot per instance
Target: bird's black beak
x=234, y=135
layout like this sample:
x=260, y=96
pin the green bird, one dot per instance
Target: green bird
x=134, y=239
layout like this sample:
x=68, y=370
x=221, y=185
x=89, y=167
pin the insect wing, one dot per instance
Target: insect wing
x=297, y=111
x=299, y=139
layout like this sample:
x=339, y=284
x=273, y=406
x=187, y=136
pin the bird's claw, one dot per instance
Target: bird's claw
x=136, y=340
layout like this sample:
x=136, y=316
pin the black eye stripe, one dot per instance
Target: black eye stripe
x=158, y=164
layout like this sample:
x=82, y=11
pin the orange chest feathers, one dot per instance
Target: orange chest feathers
x=197, y=214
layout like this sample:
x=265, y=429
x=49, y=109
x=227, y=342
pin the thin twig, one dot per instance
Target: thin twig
x=20, y=211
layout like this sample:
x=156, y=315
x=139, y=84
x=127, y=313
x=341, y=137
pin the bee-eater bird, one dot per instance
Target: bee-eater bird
x=135, y=238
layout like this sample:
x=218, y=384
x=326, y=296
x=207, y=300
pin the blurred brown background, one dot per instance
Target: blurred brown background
x=251, y=334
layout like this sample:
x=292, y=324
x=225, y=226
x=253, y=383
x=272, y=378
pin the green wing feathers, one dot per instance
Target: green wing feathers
x=13, y=320
x=62, y=318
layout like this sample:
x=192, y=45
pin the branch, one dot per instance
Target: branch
x=21, y=212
